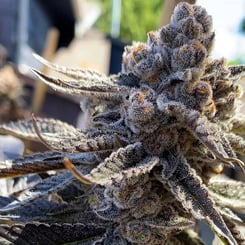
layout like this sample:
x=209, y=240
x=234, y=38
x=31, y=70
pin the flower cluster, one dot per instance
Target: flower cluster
x=146, y=171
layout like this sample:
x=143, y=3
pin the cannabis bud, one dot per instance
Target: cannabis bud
x=146, y=171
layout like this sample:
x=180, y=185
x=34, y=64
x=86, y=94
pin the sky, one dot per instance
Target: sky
x=227, y=16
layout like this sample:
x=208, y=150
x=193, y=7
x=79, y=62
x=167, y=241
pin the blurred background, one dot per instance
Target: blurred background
x=25, y=25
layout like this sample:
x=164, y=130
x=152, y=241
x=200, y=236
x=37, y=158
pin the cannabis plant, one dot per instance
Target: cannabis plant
x=146, y=171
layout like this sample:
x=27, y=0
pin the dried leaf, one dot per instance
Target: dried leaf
x=42, y=162
x=84, y=76
x=89, y=88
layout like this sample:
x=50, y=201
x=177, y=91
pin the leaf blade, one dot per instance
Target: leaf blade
x=193, y=194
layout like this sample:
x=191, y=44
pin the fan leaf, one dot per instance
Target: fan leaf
x=89, y=88
x=189, y=190
x=53, y=129
x=42, y=162
x=50, y=234
x=39, y=191
x=228, y=193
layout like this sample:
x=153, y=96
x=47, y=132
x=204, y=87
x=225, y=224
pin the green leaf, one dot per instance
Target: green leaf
x=228, y=193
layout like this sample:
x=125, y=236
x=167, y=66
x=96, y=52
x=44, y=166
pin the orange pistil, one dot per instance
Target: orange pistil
x=210, y=109
x=76, y=172
x=218, y=169
x=141, y=96
x=198, y=46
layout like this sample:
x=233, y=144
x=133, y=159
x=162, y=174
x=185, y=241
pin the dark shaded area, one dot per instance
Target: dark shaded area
x=62, y=17
x=117, y=48
x=8, y=26
x=39, y=16
x=242, y=26
x=38, y=26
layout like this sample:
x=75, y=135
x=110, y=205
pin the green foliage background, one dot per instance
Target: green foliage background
x=137, y=18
